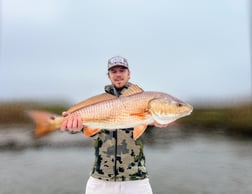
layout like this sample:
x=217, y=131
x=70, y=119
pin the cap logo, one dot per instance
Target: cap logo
x=117, y=60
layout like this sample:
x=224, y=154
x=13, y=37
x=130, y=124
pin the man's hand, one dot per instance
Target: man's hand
x=156, y=124
x=73, y=124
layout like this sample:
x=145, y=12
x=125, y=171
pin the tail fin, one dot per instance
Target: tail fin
x=45, y=122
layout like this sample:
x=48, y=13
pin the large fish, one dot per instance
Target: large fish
x=134, y=109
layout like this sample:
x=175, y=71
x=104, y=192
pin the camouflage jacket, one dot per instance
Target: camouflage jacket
x=118, y=157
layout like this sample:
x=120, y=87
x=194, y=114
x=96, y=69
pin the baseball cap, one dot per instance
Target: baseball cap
x=117, y=61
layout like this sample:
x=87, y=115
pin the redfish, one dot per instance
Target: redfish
x=105, y=111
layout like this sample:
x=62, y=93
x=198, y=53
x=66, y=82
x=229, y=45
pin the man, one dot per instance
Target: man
x=119, y=165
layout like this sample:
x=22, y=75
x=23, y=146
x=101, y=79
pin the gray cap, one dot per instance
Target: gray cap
x=117, y=61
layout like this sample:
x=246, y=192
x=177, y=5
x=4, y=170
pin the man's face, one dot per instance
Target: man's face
x=119, y=76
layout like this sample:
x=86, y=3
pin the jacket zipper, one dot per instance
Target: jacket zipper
x=115, y=166
x=116, y=93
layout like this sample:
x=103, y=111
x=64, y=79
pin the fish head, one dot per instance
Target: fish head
x=166, y=109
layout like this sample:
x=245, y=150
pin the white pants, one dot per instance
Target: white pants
x=96, y=186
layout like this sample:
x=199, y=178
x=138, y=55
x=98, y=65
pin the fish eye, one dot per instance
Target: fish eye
x=179, y=104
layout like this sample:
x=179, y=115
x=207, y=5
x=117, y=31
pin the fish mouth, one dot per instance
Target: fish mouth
x=188, y=110
x=166, y=119
x=185, y=114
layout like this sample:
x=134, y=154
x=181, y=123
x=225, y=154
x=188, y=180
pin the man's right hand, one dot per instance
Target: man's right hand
x=72, y=124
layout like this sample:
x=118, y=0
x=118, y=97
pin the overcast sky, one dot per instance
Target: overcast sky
x=196, y=50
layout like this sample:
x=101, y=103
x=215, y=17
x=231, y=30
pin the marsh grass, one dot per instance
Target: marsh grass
x=16, y=112
x=234, y=119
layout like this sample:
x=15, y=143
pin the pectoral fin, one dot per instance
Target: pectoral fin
x=90, y=132
x=138, y=131
x=139, y=114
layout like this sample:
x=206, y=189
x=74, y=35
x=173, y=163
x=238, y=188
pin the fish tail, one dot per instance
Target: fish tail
x=45, y=122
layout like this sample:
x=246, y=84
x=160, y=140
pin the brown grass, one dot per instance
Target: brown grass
x=15, y=113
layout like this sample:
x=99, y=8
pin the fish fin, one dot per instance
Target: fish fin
x=45, y=122
x=138, y=114
x=90, y=131
x=90, y=101
x=138, y=131
x=132, y=89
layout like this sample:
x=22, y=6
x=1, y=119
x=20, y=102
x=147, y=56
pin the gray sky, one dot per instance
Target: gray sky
x=196, y=50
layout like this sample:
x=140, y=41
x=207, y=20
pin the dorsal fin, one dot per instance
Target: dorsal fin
x=132, y=89
x=90, y=101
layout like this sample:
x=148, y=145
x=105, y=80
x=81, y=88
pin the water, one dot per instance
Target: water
x=183, y=163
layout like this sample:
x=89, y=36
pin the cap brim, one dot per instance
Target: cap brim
x=118, y=65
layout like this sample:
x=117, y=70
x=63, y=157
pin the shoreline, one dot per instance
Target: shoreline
x=21, y=138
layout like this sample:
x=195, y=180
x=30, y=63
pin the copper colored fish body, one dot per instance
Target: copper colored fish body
x=134, y=111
